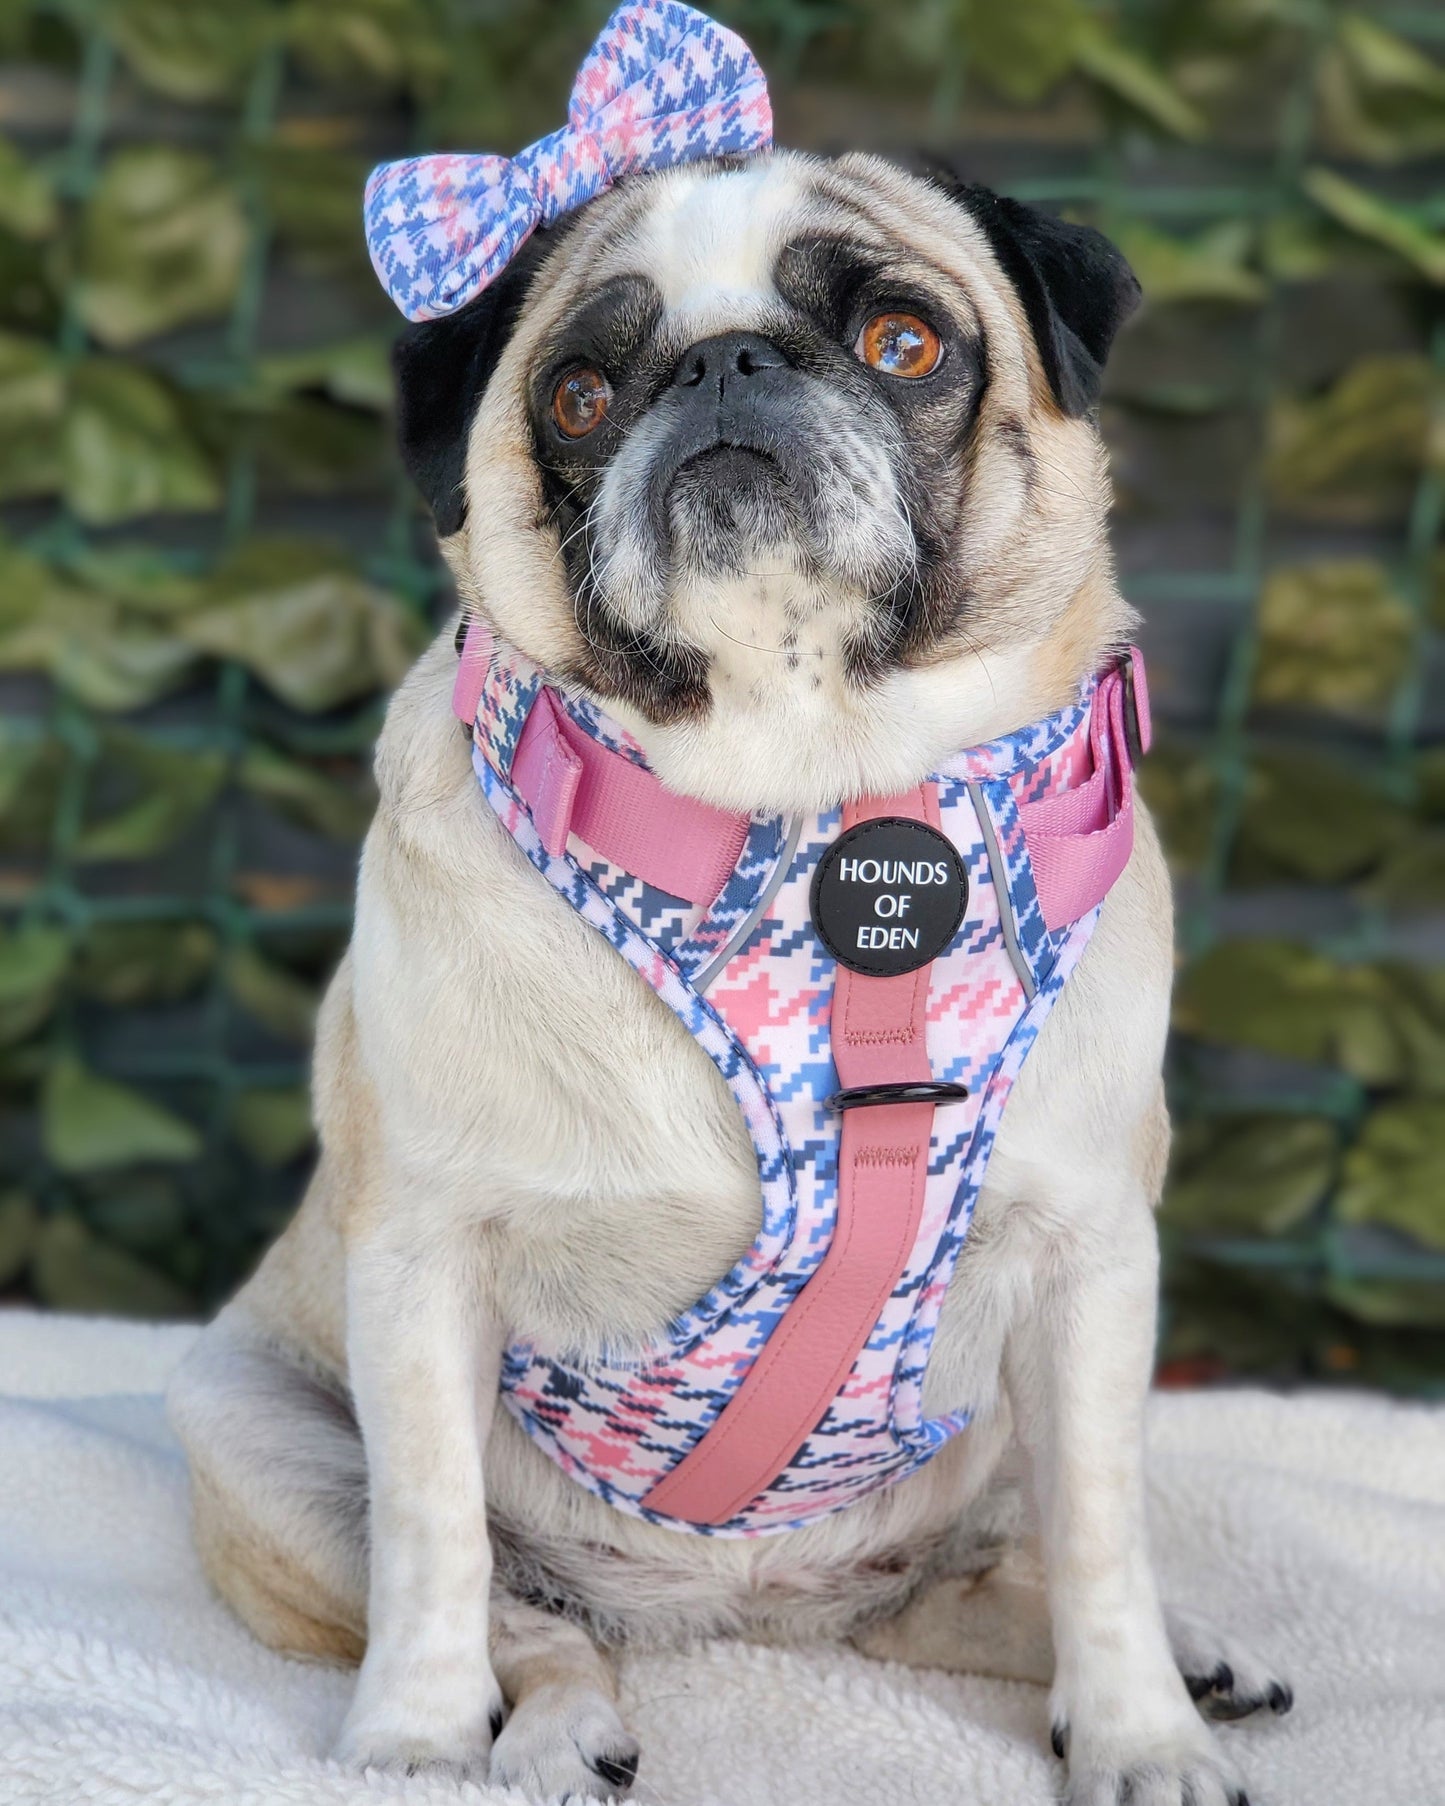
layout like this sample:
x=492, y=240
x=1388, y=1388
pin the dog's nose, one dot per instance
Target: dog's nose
x=725, y=361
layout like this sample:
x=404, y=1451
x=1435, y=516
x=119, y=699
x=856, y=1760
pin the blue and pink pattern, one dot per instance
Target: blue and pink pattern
x=663, y=85
x=619, y=1425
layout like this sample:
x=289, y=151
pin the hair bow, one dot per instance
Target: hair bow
x=662, y=85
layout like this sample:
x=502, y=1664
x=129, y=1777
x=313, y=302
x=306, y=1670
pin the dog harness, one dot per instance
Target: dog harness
x=868, y=982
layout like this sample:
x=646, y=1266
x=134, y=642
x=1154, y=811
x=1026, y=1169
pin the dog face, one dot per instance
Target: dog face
x=767, y=455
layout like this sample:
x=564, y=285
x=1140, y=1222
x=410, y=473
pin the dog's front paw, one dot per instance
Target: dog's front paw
x=565, y=1743
x=1225, y=1678
x=419, y=1741
x=1185, y=1770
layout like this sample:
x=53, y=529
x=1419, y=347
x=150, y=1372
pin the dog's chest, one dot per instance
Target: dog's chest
x=640, y=1191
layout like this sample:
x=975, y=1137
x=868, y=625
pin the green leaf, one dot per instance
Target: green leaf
x=32, y=404
x=1430, y=776
x=128, y=448
x=1309, y=815
x=311, y=197
x=1394, y=227
x=380, y=43
x=305, y=795
x=75, y=1271
x=1381, y=98
x=1413, y=877
x=123, y=666
x=31, y=771
x=1210, y=266
x=306, y=624
x=274, y=996
x=28, y=299
x=28, y=205
x=1333, y=637
x=1355, y=453
x=1180, y=790
x=171, y=790
x=1253, y=1176
x=33, y=964
x=1395, y=1172
x=1404, y=1303
x=163, y=241
x=1132, y=78
x=1022, y=51
x=354, y=371
x=188, y=52
x=144, y=1212
x=88, y=1123
x=19, y=1222
x=1289, y=1001
x=305, y=443
x=127, y=963
x=1417, y=1014
x=273, y=1126
x=142, y=577
x=81, y=639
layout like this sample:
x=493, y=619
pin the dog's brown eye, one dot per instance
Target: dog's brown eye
x=579, y=402
x=899, y=345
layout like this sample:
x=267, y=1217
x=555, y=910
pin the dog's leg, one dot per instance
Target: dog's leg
x=278, y=1488
x=424, y=1366
x=994, y=1623
x=563, y=1739
x=1078, y=1367
x=997, y=1623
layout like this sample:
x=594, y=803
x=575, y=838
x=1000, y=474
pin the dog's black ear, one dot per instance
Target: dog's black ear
x=442, y=368
x=1076, y=288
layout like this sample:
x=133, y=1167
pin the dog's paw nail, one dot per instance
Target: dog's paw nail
x=496, y=1719
x=618, y=1769
x=1281, y=1698
x=1059, y=1738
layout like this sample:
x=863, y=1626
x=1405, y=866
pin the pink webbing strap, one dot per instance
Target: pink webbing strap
x=1079, y=841
x=879, y=1037
x=572, y=784
x=476, y=655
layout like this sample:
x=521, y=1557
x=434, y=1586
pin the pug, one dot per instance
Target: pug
x=778, y=475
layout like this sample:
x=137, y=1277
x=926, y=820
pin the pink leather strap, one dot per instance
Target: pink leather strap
x=572, y=784
x=878, y=1032
x=476, y=655
x=1079, y=841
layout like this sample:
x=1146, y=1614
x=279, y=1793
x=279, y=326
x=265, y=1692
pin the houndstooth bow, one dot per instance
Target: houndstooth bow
x=662, y=85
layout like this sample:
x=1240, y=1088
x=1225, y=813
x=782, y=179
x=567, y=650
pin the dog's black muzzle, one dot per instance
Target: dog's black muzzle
x=739, y=415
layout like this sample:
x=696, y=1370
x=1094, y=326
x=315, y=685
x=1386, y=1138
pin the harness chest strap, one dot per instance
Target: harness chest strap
x=1078, y=841
x=878, y=1029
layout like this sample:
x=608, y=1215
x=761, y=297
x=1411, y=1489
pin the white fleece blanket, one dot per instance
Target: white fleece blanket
x=1315, y=1526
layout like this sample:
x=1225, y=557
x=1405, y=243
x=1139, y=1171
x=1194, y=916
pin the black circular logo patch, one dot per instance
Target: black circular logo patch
x=888, y=896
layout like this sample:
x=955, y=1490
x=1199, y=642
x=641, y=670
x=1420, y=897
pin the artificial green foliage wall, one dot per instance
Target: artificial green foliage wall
x=211, y=571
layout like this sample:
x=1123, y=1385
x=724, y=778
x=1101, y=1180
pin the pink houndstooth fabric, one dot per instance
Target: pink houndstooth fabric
x=753, y=984
x=662, y=85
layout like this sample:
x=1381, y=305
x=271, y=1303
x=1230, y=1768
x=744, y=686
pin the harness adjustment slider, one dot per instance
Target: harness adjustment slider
x=935, y=1091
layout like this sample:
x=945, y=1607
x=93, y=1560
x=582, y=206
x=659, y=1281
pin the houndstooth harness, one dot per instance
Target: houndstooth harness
x=872, y=1070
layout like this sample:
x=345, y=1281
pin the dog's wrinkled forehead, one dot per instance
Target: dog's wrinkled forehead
x=709, y=244
x=709, y=239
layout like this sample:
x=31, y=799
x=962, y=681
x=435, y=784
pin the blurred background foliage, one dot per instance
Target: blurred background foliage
x=211, y=570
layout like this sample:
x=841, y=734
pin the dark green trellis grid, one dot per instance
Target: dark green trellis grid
x=1100, y=190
